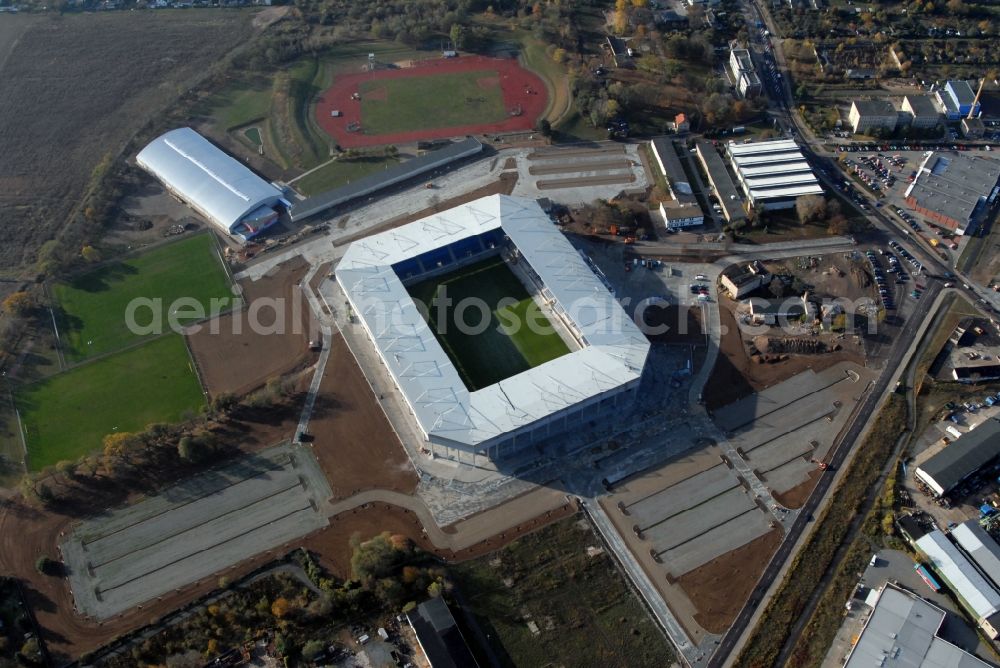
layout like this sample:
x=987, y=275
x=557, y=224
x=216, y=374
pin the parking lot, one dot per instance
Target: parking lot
x=580, y=175
x=194, y=529
x=786, y=431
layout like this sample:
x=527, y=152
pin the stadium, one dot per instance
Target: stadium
x=216, y=185
x=490, y=387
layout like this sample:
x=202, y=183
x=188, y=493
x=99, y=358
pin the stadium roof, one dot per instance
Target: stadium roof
x=964, y=579
x=613, y=353
x=953, y=184
x=962, y=458
x=385, y=178
x=902, y=633
x=215, y=184
x=980, y=547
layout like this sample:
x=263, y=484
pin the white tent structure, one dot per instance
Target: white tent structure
x=216, y=185
x=548, y=399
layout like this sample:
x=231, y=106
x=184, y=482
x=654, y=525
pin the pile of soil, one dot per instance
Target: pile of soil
x=798, y=345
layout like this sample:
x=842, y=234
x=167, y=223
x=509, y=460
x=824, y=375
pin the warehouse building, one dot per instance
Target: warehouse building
x=773, y=174
x=954, y=190
x=966, y=456
x=867, y=115
x=903, y=631
x=980, y=547
x=683, y=209
x=971, y=587
x=920, y=111
x=599, y=376
x=957, y=99
x=220, y=188
x=721, y=182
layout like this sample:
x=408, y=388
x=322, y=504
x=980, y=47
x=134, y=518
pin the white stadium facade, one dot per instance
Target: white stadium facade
x=600, y=375
x=216, y=185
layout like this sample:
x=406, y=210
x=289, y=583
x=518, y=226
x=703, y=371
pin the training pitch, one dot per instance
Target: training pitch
x=68, y=415
x=194, y=529
x=500, y=348
x=92, y=307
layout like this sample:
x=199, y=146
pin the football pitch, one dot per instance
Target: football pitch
x=517, y=337
x=433, y=101
x=92, y=307
x=68, y=415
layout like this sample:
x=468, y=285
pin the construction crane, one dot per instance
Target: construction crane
x=972, y=109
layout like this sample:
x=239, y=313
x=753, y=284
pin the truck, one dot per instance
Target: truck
x=926, y=576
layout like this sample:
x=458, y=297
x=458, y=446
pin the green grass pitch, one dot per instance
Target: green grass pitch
x=68, y=415
x=435, y=101
x=92, y=306
x=499, y=351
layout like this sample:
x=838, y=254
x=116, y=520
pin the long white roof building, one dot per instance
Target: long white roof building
x=612, y=350
x=216, y=185
x=978, y=594
x=772, y=173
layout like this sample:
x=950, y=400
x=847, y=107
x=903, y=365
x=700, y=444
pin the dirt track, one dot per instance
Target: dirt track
x=238, y=359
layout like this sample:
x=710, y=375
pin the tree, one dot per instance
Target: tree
x=545, y=127
x=19, y=303
x=118, y=444
x=281, y=607
x=458, y=35
x=559, y=56
x=66, y=468
x=90, y=254
x=47, y=565
x=312, y=649
x=810, y=208
x=777, y=288
x=188, y=450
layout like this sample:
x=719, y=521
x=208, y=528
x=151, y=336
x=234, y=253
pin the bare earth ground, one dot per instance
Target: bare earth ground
x=356, y=447
x=797, y=496
x=86, y=83
x=237, y=359
x=720, y=588
x=735, y=376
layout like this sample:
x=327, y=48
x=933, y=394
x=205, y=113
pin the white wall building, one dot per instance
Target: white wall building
x=222, y=189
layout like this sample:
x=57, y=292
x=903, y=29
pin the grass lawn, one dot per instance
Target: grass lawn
x=241, y=105
x=68, y=415
x=340, y=172
x=93, y=305
x=585, y=613
x=433, y=101
x=253, y=134
x=499, y=350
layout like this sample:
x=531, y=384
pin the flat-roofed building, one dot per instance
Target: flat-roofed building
x=867, y=115
x=741, y=64
x=976, y=594
x=683, y=210
x=980, y=547
x=957, y=99
x=920, y=111
x=954, y=189
x=973, y=128
x=772, y=174
x=902, y=631
x=968, y=454
x=721, y=182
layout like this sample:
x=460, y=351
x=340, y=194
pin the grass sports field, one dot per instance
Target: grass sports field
x=499, y=351
x=92, y=306
x=433, y=101
x=68, y=415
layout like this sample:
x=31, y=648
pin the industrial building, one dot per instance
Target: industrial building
x=902, y=631
x=773, y=174
x=980, y=547
x=868, y=115
x=920, y=111
x=222, y=189
x=598, y=376
x=747, y=82
x=404, y=171
x=971, y=587
x=683, y=210
x=957, y=99
x=953, y=190
x=439, y=636
x=721, y=182
x=943, y=471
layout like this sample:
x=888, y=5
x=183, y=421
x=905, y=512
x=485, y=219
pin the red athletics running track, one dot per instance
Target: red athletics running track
x=514, y=83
